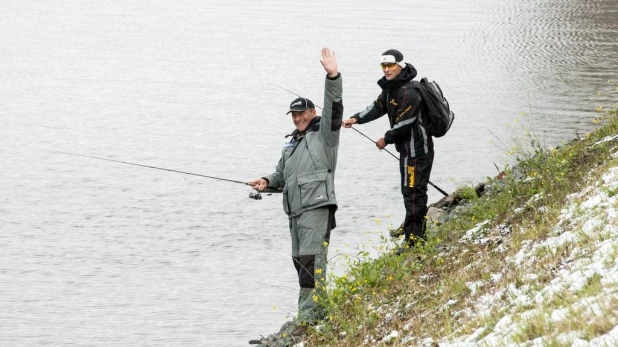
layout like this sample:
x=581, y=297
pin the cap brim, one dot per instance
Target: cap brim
x=297, y=110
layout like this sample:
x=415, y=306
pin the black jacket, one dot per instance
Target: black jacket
x=402, y=102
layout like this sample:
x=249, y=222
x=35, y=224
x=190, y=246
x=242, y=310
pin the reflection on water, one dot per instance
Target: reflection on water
x=99, y=253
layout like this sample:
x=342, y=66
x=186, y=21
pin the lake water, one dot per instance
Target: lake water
x=95, y=253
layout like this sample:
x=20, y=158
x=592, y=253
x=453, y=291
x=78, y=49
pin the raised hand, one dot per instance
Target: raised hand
x=329, y=62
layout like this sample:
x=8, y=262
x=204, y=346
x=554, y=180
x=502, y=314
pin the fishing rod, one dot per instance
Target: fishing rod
x=252, y=195
x=384, y=149
x=369, y=138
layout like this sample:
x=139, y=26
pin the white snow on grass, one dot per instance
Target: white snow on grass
x=586, y=238
x=588, y=228
x=391, y=337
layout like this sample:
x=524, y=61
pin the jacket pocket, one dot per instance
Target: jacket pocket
x=286, y=204
x=313, y=188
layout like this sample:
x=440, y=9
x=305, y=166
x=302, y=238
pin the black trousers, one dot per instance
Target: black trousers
x=415, y=173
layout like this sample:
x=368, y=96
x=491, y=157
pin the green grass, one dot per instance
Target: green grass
x=425, y=293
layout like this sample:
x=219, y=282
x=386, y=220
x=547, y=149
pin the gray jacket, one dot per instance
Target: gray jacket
x=306, y=170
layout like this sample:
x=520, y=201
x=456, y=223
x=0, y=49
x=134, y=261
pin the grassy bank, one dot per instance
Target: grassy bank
x=504, y=269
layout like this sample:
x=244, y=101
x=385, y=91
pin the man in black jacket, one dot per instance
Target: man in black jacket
x=402, y=102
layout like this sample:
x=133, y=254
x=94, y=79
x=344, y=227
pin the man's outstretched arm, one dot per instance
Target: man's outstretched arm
x=332, y=113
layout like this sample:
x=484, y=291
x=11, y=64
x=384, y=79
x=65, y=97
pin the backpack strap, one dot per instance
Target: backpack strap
x=422, y=89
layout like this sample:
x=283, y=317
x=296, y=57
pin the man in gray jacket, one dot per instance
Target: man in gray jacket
x=306, y=173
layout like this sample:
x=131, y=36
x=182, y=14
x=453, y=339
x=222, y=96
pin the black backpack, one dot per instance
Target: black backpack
x=438, y=115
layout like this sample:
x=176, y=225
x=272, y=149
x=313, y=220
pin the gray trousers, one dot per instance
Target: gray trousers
x=310, y=237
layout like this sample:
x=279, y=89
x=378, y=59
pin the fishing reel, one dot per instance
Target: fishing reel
x=255, y=195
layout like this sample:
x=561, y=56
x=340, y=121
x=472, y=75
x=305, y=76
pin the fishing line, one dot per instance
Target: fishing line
x=252, y=195
x=155, y=167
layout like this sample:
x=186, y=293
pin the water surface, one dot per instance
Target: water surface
x=95, y=253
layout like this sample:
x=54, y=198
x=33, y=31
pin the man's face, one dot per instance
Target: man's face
x=302, y=119
x=391, y=70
